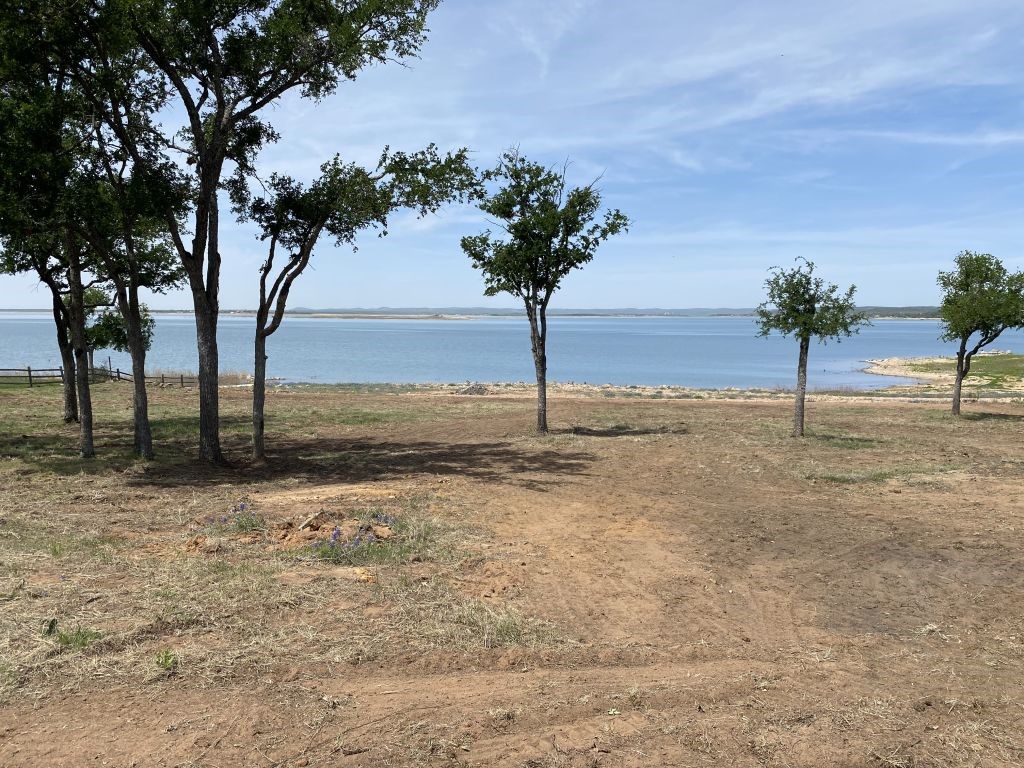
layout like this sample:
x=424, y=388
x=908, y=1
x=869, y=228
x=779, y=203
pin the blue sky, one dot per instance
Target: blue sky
x=876, y=138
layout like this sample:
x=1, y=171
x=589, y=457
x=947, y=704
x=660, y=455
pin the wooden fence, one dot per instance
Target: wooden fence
x=33, y=377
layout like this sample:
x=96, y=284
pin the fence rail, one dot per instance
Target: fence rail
x=32, y=377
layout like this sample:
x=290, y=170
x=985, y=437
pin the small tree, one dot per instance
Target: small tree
x=550, y=232
x=343, y=201
x=805, y=306
x=978, y=297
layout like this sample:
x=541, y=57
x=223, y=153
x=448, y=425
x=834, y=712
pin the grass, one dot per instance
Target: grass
x=995, y=371
x=846, y=442
x=879, y=475
x=410, y=540
x=241, y=519
x=77, y=639
x=439, y=617
x=167, y=661
x=817, y=435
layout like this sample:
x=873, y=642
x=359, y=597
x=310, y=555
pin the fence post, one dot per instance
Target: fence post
x=161, y=378
x=118, y=374
x=183, y=380
x=29, y=369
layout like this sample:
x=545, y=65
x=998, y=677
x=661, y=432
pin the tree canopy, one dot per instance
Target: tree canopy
x=803, y=305
x=550, y=230
x=980, y=300
x=980, y=297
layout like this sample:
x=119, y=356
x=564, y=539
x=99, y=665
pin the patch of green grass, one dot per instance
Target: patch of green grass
x=997, y=371
x=879, y=475
x=77, y=639
x=248, y=521
x=412, y=539
x=241, y=519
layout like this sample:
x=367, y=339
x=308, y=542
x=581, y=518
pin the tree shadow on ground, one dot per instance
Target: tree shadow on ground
x=342, y=460
x=623, y=430
x=988, y=416
x=57, y=451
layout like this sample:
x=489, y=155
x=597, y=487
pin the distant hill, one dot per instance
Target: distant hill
x=515, y=311
x=872, y=311
x=917, y=313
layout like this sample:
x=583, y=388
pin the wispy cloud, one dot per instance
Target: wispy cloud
x=879, y=137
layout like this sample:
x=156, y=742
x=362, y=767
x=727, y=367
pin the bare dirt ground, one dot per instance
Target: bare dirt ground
x=662, y=582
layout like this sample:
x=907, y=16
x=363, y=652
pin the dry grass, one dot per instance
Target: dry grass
x=658, y=582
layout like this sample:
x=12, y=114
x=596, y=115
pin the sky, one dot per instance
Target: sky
x=877, y=139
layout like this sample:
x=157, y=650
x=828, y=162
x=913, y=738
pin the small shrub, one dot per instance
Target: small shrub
x=167, y=661
x=247, y=521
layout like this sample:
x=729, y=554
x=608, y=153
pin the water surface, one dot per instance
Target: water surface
x=706, y=352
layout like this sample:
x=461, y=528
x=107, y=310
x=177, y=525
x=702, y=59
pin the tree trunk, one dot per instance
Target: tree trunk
x=131, y=311
x=962, y=367
x=76, y=311
x=67, y=359
x=801, y=388
x=538, y=338
x=259, y=394
x=209, y=380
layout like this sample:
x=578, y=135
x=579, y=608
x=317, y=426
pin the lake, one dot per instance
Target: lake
x=706, y=352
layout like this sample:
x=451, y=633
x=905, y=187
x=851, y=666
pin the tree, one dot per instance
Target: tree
x=979, y=297
x=344, y=200
x=51, y=273
x=805, y=306
x=119, y=219
x=41, y=119
x=108, y=330
x=222, y=63
x=550, y=232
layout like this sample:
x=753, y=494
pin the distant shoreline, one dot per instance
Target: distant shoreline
x=476, y=313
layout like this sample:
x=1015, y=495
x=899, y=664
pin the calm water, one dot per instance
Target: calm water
x=689, y=351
